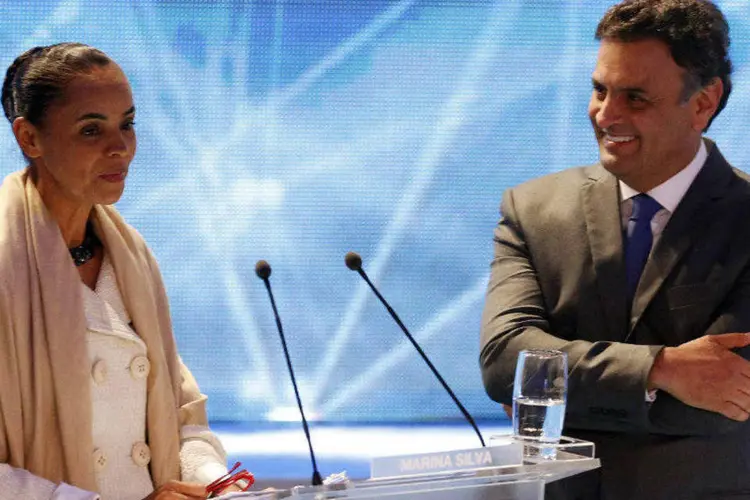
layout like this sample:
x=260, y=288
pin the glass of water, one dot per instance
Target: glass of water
x=539, y=395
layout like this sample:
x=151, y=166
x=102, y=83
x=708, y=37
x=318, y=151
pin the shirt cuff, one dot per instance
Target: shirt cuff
x=208, y=472
x=64, y=491
x=651, y=395
x=202, y=457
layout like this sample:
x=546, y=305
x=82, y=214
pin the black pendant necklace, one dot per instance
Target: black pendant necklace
x=87, y=249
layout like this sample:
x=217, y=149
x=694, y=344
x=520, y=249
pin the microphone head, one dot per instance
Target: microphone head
x=263, y=269
x=353, y=261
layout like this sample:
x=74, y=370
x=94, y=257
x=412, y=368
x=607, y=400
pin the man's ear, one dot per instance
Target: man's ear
x=27, y=137
x=706, y=103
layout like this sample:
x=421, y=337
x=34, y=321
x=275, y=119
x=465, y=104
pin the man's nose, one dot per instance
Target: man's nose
x=608, y=112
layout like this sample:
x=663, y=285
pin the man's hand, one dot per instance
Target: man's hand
x=508, y=411
x=704, y=373
x=178, y=490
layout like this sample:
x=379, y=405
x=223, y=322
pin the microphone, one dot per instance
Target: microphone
x=354, y=262
x=263, y=270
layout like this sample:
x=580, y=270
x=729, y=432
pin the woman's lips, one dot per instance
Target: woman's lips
x=114, y=176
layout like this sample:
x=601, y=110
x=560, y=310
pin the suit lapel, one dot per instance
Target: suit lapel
x=692, y=217
x=604, y=227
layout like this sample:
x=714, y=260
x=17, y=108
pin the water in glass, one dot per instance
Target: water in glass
x=539, y=396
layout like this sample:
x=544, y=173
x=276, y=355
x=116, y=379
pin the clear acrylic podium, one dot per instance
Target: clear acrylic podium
x=506, y=470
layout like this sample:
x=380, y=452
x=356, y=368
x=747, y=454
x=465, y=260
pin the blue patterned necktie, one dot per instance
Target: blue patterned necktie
x=639, y=239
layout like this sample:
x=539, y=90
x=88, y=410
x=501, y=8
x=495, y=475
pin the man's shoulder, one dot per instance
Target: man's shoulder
x=743, y=178
x=561, y=183
x=725, y=174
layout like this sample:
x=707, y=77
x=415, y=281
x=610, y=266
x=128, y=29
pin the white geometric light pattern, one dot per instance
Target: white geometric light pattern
x=297, y=131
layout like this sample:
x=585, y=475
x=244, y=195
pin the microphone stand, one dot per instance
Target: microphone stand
x=263, y=270
x=354, y=262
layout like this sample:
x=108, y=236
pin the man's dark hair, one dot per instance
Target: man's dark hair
x=695, y=31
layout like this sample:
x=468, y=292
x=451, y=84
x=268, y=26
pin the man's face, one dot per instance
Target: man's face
x=646, y=131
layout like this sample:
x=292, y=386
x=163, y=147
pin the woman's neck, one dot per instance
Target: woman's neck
x=71, y=216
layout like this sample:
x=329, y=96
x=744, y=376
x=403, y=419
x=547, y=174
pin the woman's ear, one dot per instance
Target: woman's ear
x=27, y=137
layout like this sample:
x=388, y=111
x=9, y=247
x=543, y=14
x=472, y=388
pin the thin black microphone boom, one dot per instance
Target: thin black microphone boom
x=263, y=270
x=354, y=262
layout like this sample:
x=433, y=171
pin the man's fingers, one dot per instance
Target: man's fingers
x=508, y=411
x=731, y=410
x=705, y=373
x=741, y=367
x=732, y=340
x=741, y=399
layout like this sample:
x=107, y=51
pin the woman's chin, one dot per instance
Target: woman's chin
x=109, y=196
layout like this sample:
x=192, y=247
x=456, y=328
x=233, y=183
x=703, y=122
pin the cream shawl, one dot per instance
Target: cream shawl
x=45, y=405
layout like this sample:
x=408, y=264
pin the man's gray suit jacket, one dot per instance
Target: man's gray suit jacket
x=558, y=282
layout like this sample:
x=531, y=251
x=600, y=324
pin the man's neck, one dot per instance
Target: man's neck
x=649, y=178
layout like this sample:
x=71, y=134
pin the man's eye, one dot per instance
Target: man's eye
x=90, y=130
x=128, y=125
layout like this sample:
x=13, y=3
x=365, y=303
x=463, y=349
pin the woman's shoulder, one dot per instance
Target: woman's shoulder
x=14, y=245
x=12, y=201
x=117, y=231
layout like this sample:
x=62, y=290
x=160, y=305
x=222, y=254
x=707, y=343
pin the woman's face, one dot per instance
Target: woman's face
x=82, y=150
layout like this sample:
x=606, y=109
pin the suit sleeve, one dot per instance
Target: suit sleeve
x=668, y=415
x=606, y=381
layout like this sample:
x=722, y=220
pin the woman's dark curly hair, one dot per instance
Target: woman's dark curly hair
x=39, y=76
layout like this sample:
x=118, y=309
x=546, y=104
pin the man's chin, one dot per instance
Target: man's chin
x=615, y=166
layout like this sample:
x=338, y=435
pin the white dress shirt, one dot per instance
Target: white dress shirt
x=669, y=194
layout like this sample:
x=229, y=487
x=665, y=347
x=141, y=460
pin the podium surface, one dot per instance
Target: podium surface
x=517, y=474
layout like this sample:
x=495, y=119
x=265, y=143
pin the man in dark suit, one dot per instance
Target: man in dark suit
x=639, y=269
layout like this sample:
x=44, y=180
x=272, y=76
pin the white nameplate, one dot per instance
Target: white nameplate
x=510, y=454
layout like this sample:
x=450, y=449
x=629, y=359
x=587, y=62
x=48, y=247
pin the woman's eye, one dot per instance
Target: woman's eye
x=128, y=125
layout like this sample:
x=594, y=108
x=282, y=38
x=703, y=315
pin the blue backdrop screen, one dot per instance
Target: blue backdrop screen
x=295, y=131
